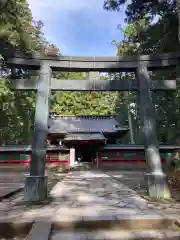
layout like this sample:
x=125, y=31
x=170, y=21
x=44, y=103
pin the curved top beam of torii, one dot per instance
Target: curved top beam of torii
x=92, y=63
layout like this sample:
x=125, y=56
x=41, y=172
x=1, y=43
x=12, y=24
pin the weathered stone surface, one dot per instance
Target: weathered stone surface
x=150, y=234
x=157, y=186
x=35, y=188
x=102, y=195
x=40, y=231
x=111, y=235
x=173, y=235
x=134, y=178
x=117, y=235
x=73, y=201
x=8, y=189
x=95, y=235
x=69, y=236
x=100, y=217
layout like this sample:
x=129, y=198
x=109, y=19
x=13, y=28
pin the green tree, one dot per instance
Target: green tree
x=78, y=102
x=17, y=108
x=151, y=28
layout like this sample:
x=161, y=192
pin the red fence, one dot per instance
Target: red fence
x=125, y=156
x=106, y=156
x=52, y=158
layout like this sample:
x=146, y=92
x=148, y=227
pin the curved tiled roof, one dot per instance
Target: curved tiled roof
x=82, y=124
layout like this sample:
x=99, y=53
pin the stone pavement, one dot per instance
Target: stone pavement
x=89, y=196
x=10, y=180
x=80, y=192
x=136, y=180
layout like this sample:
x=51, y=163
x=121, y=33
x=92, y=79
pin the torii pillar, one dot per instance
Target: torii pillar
x=156, y=179
x=36, y=182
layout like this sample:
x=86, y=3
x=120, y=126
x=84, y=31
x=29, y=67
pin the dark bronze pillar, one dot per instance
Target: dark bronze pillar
x=36, y=182
x=157, y=182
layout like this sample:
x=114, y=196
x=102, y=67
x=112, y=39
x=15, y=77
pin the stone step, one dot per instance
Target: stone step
x=81, y=167
x=126, y=228
x=116, y=235
x=96, y=223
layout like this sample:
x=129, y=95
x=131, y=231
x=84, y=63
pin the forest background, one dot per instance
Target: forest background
x=151, y=27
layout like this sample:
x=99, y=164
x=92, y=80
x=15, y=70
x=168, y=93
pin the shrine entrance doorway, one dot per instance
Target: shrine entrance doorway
x=86, y=151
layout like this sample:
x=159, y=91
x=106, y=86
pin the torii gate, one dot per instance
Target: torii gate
x=36, y=182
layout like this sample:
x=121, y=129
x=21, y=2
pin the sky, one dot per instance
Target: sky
x=79, y=27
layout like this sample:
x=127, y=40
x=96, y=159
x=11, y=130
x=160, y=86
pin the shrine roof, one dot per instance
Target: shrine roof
x=84, y=124
x=84, y=136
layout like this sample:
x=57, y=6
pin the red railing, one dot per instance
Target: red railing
x=138, y=159
x=51, y=159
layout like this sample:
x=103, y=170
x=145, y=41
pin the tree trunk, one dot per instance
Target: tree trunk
x=178, y=8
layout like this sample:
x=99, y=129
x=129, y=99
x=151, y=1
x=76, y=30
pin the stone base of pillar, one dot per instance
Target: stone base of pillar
x=157, y=185
x=35, y=189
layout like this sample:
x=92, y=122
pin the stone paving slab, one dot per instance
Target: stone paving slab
x=13, y=209
x=88, y=196
x=101, y=235
x=117, y=235
x=12, y=178
x=85, y=195
x=10, y=181
x=7, y=189
x=40, y=231
x=136, y=179
x=94, y=193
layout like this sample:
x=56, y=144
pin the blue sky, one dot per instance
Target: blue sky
x=79, y=27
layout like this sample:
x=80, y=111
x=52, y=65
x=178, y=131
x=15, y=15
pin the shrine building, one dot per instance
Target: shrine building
x=94, y=139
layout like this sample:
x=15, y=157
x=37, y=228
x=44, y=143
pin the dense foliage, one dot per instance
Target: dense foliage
x=17, y=108
x=152, y=27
